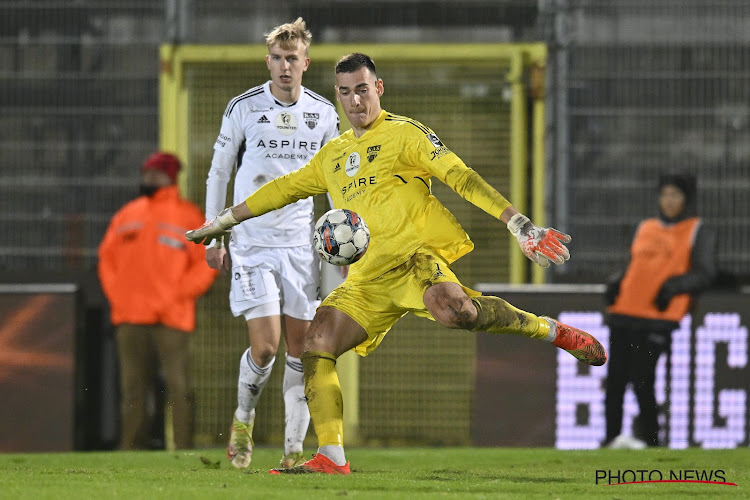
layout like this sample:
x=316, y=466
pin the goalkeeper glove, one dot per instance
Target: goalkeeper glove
x=541, y=245
x=214, y=228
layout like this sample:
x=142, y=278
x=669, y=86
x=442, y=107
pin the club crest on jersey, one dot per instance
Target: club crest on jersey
x=352, y=164
x=434, y=140
x=286, y=123
x=311, y=119
x=372, y=152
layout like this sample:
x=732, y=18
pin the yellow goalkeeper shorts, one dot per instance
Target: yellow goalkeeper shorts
x=376, y=305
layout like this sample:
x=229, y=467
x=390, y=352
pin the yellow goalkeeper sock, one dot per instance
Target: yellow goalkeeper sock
x=324, y=400
x=494, y=315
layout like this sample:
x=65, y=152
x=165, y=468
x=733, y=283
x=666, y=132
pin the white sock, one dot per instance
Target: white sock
x=252, y=380
x=552, y=335
x=334, y=452
x=295, y=406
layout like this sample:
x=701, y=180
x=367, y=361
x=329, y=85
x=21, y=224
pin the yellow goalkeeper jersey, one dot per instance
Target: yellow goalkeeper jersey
x=385, y=176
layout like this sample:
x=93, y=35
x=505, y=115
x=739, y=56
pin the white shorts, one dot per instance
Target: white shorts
x=272, y=281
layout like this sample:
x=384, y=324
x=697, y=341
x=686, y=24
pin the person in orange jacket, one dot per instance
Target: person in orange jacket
x=672, y=259
x=152, y=279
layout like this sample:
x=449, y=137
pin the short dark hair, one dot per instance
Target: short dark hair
x=352, y=62
x=684, y=181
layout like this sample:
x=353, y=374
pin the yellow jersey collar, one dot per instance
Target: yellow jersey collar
x=380, y=119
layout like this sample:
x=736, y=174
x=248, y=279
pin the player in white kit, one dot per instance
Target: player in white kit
x=267, y=132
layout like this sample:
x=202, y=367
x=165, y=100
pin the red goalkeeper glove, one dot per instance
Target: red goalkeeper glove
x=541, y=245
x=214, y=228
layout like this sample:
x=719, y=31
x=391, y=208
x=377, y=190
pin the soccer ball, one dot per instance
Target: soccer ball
x=341, y=237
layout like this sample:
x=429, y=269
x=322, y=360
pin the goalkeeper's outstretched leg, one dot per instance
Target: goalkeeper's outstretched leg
x=450, y=305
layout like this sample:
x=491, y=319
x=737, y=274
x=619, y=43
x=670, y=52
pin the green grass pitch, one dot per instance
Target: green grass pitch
x=377, y=473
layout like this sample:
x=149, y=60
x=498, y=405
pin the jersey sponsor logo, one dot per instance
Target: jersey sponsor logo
x=357, y=186
x=286, y=123
x=263, y=119
x=310, y=119
x=223, y=140
x=439, y=152
x=336, y=168
x=286, y=156
x=440, y=149
x=434, y=140
x=352, y=164
x=294, y=144
x=372, y=152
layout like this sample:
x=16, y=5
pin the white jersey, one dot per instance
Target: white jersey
x=266, y=139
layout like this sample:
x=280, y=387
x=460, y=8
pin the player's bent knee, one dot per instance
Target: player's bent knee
x=457, y=313
x=466, y=316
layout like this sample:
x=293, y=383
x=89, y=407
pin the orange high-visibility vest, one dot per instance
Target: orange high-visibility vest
x=658, y=252
x=149, y=272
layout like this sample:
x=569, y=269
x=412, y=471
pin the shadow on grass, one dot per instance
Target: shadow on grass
x=454, y=475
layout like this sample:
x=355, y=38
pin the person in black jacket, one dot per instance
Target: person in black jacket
x=672, y=258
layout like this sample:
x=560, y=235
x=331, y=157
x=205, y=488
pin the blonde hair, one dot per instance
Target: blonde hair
x=287, y=35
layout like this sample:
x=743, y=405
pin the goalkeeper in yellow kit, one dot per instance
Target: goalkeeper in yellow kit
x=382, y=170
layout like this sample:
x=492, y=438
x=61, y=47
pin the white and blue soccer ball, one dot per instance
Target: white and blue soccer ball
x=341, y=237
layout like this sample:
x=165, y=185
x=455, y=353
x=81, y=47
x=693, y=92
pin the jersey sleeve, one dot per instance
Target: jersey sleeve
x=426, y=150
x=226, y=148
x=299, y=184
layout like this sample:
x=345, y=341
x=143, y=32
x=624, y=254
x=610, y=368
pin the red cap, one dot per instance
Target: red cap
x=166, y=162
